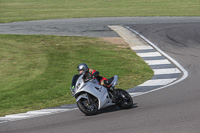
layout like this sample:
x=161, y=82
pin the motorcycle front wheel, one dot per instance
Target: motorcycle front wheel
x=88, y=108
x=125, y=101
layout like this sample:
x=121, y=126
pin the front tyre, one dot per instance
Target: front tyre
x=86, y=108
x=124, y=101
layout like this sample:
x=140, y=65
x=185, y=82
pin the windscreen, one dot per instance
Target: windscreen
x=74, y=79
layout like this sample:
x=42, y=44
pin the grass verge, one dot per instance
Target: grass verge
x=23, y=10
x=36, y=70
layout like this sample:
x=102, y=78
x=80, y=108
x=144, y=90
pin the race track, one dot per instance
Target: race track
x=173, y=109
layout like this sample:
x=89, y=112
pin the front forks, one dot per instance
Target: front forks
x=89, y=99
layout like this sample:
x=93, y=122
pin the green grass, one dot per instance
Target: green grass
x=36, y=70
x=23, y=10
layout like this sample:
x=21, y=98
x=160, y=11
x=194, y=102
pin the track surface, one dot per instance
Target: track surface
x=173, y=109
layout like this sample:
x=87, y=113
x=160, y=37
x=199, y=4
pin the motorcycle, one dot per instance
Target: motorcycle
x=92, y=97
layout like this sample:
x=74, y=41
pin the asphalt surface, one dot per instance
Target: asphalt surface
x=173, y=109
x=92, y=27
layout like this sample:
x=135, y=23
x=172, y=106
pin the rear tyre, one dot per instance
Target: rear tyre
x=86, y=108
x=124, y=101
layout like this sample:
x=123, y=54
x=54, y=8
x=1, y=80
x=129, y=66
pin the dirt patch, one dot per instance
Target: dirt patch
x=116, y=41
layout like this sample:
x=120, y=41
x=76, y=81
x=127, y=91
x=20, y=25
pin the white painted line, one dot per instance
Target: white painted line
x=37, y=112
x=47, y=111
x=185, y=73
x=157, y=62
x=5, y=119
x=141, y=47
x=150, y=54
x=67, y=106
x=33, y=114
x=53, y=110
x=166, y=71
x=17, y=116
x=158, y=82
x=133, y=94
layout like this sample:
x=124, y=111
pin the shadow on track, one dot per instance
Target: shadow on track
x=114, y=109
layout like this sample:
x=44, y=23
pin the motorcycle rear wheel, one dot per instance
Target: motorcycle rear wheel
x=125, y=99
x=86, y=108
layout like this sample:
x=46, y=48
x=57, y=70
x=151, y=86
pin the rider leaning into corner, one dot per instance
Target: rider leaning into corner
x=119, y=96
x=90, y=73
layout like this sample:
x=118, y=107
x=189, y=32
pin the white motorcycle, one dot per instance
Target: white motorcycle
x=91, y=97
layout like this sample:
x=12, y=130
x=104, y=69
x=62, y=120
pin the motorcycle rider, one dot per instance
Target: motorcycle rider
x=90, y=73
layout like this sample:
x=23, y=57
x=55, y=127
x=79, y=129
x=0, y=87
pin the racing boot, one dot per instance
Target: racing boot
x=111, y=91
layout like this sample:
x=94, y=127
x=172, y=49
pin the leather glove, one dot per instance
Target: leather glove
x=95, y=74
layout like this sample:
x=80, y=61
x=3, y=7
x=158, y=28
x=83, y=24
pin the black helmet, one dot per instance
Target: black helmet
x=83, y=67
